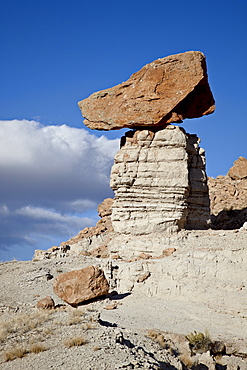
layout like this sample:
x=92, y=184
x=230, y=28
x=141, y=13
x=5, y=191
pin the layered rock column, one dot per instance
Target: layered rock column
x=158, y=175
x=159, y=182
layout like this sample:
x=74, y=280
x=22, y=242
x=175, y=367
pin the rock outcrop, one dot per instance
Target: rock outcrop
x=77, y=286
x=158, y=175
x=167, y=90
x=228, y=197
x=103, y=226
x=159, y=183
x=239, y=170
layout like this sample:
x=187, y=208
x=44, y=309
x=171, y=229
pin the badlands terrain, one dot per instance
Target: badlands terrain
x=160, y=281
x=154, y=304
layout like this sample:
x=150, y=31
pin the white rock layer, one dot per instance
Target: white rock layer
x=160, y=183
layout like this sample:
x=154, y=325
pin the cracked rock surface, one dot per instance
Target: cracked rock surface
x=165, y=91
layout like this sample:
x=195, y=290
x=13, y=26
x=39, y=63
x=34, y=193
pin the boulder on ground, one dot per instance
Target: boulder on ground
x=167, y=90
x=77, y=286
x=46, y=303
x=239, y=170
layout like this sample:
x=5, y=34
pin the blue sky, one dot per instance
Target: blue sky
x=56, y=53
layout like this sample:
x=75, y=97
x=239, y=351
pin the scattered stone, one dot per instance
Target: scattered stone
x=143, y=277
x=46, y=303
x=232, y=363
x=144, y=256
x=77, y=286
x=167, y=90
x=239, y=170
x=168, y=252
x=100, y=252
x=112, y=306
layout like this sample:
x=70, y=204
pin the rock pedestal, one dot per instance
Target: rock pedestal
x=158, y=175
x=159, y=182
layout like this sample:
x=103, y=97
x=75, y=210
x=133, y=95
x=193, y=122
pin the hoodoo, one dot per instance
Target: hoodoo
x=158, y=176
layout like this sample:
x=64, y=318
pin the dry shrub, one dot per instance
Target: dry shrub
x=49, y=331
x=156, y=336
x=12, y=354
x=152, y=333
x=74, y=321
x=72, y=342
x=187, y=360
x=199, y=342
x=161, y=340
x=22, y=323
x=77, y=312
x=88, y=326
x=76, y=317
x=37, y=348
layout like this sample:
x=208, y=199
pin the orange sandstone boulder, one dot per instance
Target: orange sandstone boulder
x=77, y=286
x=167, y=90
x=46, y=303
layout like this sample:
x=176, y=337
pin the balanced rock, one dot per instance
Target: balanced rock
x=77, y=286
x=239, y=170
x=167, y=90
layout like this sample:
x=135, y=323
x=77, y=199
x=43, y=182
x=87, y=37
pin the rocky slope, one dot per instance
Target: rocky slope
x=165, y=270
x=135, y=329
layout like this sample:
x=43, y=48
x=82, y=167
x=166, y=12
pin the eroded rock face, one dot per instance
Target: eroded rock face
x=103, y=226
x=77, y=286
x=239, y=170
x=228, y=197
x=167, y=90
x=159, y=183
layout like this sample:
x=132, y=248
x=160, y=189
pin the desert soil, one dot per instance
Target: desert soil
x=114, y=339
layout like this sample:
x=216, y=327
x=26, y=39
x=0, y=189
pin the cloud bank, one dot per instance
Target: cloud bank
x=51, y=178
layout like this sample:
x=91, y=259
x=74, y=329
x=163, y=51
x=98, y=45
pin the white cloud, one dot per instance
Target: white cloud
x=49, y=173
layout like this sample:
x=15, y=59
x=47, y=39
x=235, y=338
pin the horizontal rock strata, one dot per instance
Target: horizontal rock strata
x=159, y=183
x=167, y=90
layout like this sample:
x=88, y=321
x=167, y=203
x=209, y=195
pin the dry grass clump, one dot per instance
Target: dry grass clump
x=19, y=352
x=22, y=323
x=72, y=342
x=21, y=334
x=74, y=321
x=37, y=348
x=156, y=336
x=188, y=360
x=77, y=312
x=88, y=326
x=12, y=354
x=76, y=317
